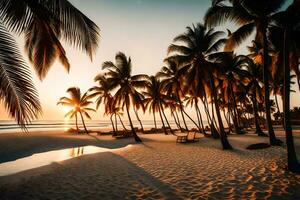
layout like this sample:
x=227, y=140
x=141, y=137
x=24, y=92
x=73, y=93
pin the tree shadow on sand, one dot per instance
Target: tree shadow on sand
x=108, y=176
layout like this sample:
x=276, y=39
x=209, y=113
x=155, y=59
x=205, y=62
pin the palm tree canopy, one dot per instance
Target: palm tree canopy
x=247, y=14
x=45, y=23
x=119, y=76
x=77, y=101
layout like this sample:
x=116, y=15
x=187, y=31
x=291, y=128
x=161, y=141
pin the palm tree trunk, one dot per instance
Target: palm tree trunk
x=198, y=127
x=178, y=120
x=258, y=130
x=293, y=164
x=175, y=120
x=116, y=122
x=83, y=123
x=224, y=141
x=200, y=116
x=162, y=110
x=154, y=119
x=113, y=126
x=76, y=122
x=162, y=121
x=136, y=137
x=181, y=109
x=207, y=112
x=138, y=118
x=124, y=127
x=235, y=116
x=272, y=137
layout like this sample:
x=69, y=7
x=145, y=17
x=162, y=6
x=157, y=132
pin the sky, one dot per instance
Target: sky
x=142, y=29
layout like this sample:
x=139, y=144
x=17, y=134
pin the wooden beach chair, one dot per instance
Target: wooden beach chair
x=190, y=137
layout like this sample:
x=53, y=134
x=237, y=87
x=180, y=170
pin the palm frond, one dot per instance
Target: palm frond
x=17, y=91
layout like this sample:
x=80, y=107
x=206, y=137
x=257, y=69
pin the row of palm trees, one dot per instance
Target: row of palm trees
x=198, y=71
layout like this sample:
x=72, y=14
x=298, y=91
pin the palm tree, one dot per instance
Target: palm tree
x=234, y=75
x=102, y=92
x=154, y=98
x=198, y=43
x=79, y=104
x=286, y=31
x=171, y=74
x=126, y=85
x=251, y=15
x=43, y=23
x=255, y=91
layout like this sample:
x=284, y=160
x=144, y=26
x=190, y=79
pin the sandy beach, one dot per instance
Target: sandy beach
x=159, y=168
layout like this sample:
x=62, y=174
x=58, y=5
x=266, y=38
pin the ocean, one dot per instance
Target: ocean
x=10, y=126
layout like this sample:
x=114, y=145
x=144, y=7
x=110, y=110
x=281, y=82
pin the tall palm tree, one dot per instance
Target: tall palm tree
x=255, y=91
x=102, y=92
x=286, y=31
x=234, y=75
x=198, y=44
x=126, y=85
x=251, y=15
x=154, y=98
x=79, y=104
x=171, y=74
x=43, y=23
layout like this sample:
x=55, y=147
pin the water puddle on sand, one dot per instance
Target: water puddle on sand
x=46, y=158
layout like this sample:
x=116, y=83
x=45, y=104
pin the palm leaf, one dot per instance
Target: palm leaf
x=17, y=91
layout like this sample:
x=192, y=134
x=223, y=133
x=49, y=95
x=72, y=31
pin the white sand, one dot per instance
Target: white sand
x=159, y=168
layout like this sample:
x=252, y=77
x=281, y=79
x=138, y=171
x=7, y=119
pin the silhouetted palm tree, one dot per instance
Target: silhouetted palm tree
x=154, y=98
x=43, y=24
x=126, y=85
x=286, y=32
x=251, y=15
x=171, y=74
x=198, y=44
x=79, y=104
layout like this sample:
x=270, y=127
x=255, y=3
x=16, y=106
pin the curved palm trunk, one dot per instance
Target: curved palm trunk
x=178, y=121
x=198, y=127
x=235, y=116
x=272, y=137
x=175, y=120
x=207, y=112
x=293, y=164
x=121, y=121
x=116, y=122
x=258, y=130
x=136, y=137
x=200, y=117
x=162, y=121
x=181, y=109
x=138, y=118
x=154, y=120
x=83, y=123
x=113, y=126
x=76, y=122
x=162, y=110
x=214, y=132
x=223, y=136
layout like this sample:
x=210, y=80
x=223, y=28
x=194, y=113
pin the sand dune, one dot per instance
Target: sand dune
x=162, y=169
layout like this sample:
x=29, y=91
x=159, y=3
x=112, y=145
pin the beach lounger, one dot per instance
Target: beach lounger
x=190, y=137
